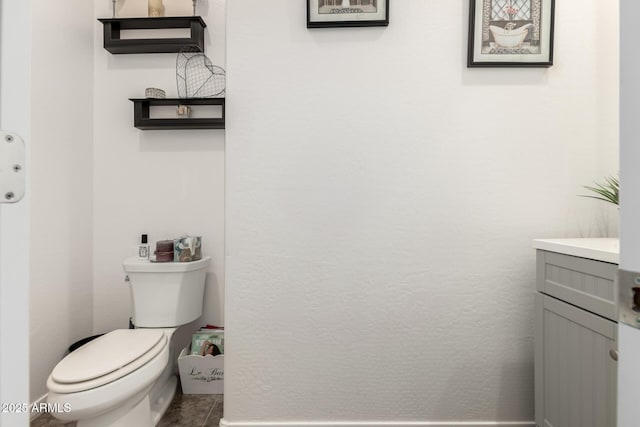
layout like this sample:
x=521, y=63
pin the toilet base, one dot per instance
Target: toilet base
x=163, y=399
x=139, y=416
x=145, y=413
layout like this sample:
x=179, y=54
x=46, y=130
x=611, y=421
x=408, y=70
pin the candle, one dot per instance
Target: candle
x=156, y=8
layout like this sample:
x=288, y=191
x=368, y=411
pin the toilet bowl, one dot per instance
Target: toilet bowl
x=115, y=372
x=126, y=377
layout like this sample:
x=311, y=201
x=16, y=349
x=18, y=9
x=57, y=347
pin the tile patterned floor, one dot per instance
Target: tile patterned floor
x=186, y=410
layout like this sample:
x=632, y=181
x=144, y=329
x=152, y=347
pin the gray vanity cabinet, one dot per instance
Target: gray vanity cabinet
x=576, y=342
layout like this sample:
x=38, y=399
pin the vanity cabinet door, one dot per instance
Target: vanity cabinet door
x=575, y=366
x=586, y=283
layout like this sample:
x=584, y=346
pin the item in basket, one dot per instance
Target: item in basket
x=208, y=342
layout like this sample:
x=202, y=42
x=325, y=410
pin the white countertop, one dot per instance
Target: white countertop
x=601, y=249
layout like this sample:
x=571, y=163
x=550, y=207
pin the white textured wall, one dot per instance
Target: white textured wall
x=62, y=185
x=381, y=201
x=163, y=183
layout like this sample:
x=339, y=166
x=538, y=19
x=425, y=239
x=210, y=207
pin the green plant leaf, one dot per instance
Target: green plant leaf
x=609, y=191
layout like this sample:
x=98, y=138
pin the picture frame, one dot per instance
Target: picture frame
x=511, y=33
x=347, y=13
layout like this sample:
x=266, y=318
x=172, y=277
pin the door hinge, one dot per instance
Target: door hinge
x=12, y=176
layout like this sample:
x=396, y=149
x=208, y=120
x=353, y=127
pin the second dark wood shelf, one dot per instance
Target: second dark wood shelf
x=142, y=119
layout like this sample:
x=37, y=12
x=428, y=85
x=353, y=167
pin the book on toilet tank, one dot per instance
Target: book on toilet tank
x=208, y=342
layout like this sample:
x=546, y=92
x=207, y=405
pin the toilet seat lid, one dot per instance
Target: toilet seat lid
x=106, y=354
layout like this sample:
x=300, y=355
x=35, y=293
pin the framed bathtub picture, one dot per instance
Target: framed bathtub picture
x=510, y=33
x=347, y=13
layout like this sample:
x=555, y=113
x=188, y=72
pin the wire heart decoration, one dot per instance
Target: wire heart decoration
x=196, y=76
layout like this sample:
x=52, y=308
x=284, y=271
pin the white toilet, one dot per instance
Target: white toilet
x=126, y=378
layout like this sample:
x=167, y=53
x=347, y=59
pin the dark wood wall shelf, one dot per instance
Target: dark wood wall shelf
x=141, y=119
x=114, y=44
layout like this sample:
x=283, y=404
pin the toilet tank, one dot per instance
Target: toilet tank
x=166, y=294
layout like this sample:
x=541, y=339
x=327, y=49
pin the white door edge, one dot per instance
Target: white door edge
x=628, y=337
x=15, y=106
